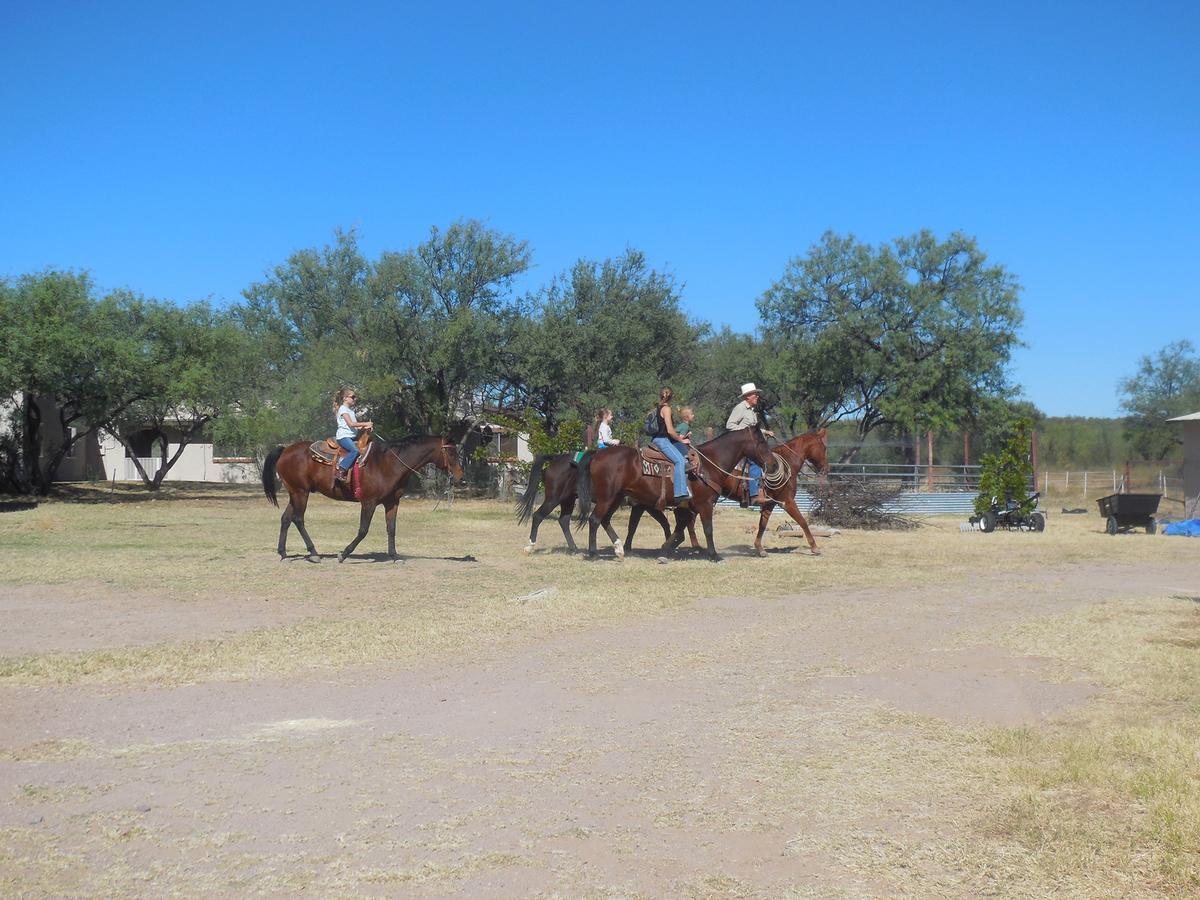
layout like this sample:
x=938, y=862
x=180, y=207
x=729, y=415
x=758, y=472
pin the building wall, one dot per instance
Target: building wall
x=102, y=456
x=1191, y=459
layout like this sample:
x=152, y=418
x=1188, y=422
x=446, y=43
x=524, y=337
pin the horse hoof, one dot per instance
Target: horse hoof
x=529, y=548
x=662, y=560
x=815, y=551
x=619, y=550
x=341, y=557
x=761, y=552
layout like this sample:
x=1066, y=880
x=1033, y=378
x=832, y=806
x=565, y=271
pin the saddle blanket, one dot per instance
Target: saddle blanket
x=656, y=465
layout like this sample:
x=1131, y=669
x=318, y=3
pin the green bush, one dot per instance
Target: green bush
x=1007, y=474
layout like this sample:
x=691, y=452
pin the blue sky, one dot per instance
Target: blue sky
x=184, y=149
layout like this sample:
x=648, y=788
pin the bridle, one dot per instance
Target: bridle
x=392, y=450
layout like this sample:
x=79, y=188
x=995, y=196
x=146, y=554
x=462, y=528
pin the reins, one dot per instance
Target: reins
x=724, y=472
x=392, y=450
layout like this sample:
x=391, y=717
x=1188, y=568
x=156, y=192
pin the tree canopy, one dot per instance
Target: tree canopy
x=918, y=332
x=912, y=334
x=1165, y=385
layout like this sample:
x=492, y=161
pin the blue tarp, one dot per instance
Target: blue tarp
x=1188, y=528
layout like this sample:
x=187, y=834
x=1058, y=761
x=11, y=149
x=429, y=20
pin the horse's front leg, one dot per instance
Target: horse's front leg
x=389, y=512
x=794, y=511
x=764, y=516
x=364, y=525
x=706, y=519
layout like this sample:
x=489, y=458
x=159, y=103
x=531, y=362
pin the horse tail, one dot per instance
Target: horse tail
x=525, y=504
x=268, y=474
x=584, y=489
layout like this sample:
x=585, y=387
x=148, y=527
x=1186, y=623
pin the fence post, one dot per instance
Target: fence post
x=1114, y=481
x=1085, y=484
x=929, y=473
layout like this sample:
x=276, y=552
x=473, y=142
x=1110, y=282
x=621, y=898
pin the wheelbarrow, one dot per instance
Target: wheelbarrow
x=1126, y=511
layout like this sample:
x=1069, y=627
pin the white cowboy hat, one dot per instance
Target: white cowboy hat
x=749, y=388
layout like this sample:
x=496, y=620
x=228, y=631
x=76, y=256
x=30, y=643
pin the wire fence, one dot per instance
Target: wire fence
x=1100, y=482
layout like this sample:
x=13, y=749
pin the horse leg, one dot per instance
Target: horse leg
x=764, y=516
x=294, y=513
x=691, y=530
x=389, y=513
x=676, y=537
x=794, y=511
x=364, y=525
x=285, y=522
x=600, y=513
x=708, y=536
x=540, y=513
x=618, y=547
x=592, y=526
x=564, y=522
x=635, y=516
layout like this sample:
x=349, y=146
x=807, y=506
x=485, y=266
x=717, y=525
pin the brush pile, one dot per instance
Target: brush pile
x=857, y=503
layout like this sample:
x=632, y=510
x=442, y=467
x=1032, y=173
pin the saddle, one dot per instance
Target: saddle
x=655, y=464
x=329, y=452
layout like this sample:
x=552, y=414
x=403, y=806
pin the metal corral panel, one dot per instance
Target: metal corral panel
x=907, y=503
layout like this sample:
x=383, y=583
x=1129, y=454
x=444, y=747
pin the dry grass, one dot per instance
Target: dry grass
x=1102, y=802
x=1115, y=788
x=459, y=588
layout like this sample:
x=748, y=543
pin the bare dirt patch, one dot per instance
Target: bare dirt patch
x=760, y=728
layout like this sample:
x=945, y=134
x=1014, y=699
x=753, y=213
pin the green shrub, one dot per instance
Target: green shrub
x=1007, y=474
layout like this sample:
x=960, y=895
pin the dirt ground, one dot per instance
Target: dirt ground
x=796, y=741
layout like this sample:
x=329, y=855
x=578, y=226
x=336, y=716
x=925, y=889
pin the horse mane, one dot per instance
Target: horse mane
x=408, y=440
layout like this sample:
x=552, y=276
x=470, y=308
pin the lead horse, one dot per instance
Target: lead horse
x=780, y=486
x=383, y=481
x=605, y=478
x=558, y=475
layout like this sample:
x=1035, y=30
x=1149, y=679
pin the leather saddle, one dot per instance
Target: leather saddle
x=327, y=451
x=655, y=464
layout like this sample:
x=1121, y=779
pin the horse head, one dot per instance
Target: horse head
x=446, y=458
x=762, y=450
x=817, y=450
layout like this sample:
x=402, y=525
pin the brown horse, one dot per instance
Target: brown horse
x=780, y=484
x=558, y=475
x=607, y=477
x=382, y=480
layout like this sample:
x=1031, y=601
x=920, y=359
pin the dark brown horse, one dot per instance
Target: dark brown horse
x=381, y=481
x=607, y=477
x=557, y=474
x=779, y=481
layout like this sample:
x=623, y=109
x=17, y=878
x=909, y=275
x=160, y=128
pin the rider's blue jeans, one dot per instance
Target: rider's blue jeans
x=348, y=445
x=677, y=453
x=755, y=473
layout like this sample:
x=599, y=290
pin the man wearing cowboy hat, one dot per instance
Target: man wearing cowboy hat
x=745, y=415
